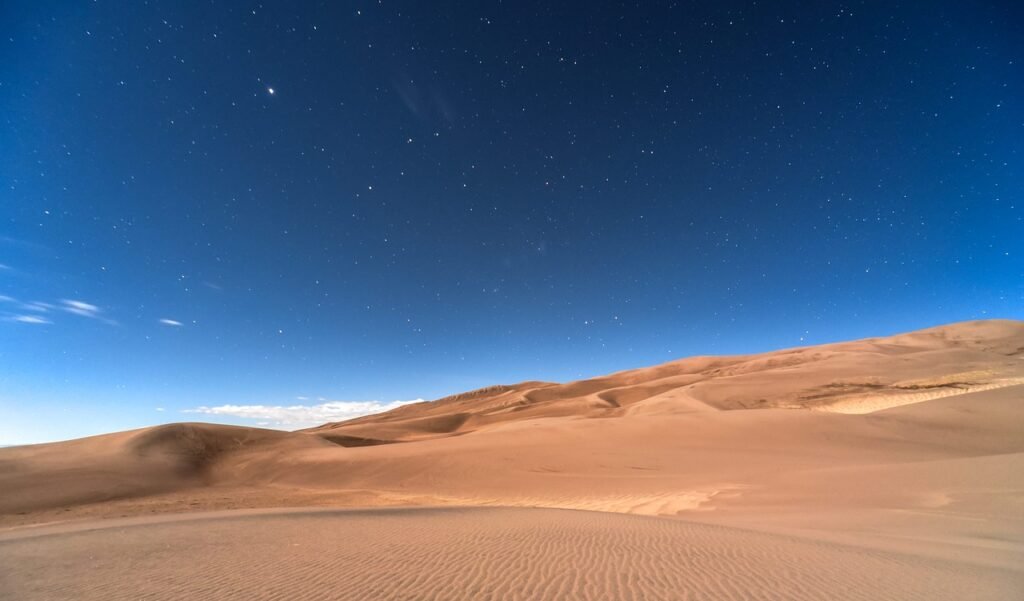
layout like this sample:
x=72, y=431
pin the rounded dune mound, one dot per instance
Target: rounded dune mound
x=131, y=464
x=197, y=446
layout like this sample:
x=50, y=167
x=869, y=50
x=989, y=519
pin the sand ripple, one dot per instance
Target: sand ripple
x=482, y=553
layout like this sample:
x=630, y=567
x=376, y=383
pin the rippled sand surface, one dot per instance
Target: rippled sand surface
x=471, y=553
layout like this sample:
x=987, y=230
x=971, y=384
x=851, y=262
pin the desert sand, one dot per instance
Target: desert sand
x=474, y=553
x=885, y=468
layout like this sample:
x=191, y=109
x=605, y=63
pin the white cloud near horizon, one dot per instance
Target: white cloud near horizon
x=170, y=322
x=302, y=416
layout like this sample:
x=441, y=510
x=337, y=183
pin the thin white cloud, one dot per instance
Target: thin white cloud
x=80, y=308
x=170, y=322
x=85, y=309
x=32, y=311
x=34, y=319
x=37, y=306
x=302, y=416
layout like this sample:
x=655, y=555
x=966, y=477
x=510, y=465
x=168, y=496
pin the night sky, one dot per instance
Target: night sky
x=256, y=212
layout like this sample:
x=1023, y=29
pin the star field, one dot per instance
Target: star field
x=277, y=203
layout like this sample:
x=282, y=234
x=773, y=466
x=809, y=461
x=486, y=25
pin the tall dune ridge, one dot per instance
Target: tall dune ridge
x=887, y=467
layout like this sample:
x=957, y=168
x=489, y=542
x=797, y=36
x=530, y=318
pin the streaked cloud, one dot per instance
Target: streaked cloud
x=33, y=312
x=170, y=322
x=302, y=416
x=84, y=309
x=34, y=319
x=80, y=308
x=37, y=306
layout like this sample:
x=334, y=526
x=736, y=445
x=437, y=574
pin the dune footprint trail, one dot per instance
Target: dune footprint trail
x=481, y=553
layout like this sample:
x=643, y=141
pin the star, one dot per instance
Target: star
x=270, y=91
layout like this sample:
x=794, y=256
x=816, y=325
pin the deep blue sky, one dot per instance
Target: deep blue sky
x=398, y=200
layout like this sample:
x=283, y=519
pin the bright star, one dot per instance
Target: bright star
x=270, y=91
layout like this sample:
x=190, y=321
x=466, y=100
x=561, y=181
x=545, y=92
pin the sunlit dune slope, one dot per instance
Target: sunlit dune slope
x=848, y=377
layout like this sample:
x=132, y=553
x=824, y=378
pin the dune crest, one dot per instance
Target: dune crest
x=848, y=377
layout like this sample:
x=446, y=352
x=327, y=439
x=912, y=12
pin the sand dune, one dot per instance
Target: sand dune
x=892, y=457
x=132, y=464
x=500, y=554
x=851, y=377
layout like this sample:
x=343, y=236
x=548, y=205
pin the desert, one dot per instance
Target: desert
x=878, y=468
x=511, y=301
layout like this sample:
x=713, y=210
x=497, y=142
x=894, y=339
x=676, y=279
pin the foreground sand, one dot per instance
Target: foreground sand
x=507, y=554
x=888, y=468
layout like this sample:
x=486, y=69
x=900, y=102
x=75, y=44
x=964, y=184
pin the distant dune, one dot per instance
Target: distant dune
x=886, y=464
x=849, y=377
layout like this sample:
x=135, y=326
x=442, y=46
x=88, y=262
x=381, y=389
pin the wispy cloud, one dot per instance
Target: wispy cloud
x=20, y=243
x=170, y=322
x=14, y=310
x=80, y=308
x=37, y=306
x=15, y=315
x=34, y=319
x=85, y=309
x=302, y=416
